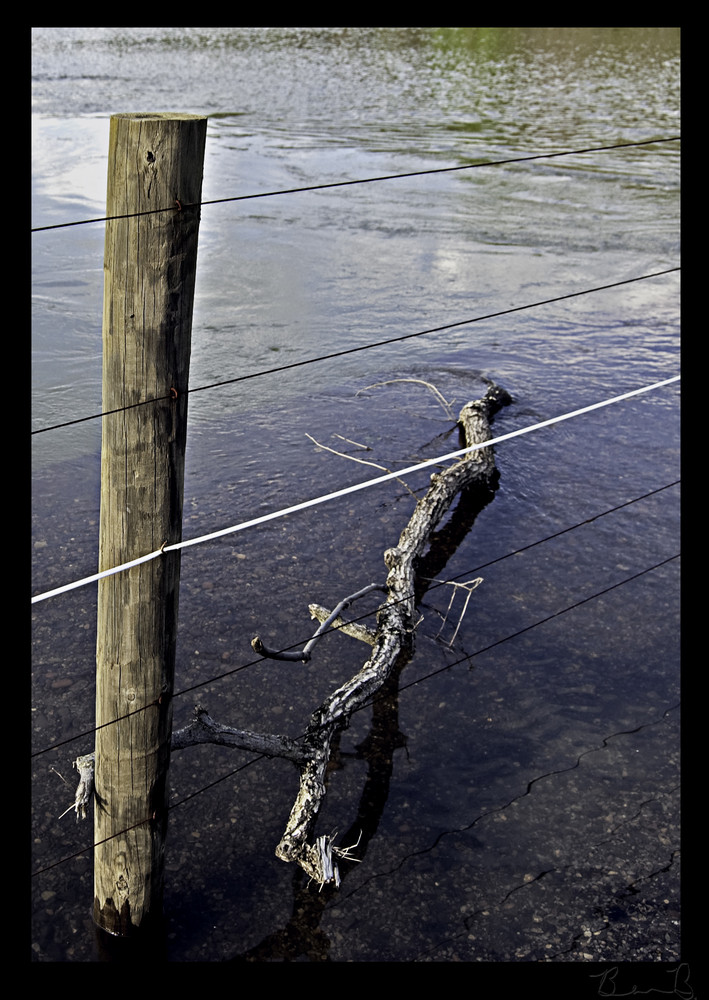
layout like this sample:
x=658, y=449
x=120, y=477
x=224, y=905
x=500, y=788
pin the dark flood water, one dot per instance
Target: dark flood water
x=524, y=803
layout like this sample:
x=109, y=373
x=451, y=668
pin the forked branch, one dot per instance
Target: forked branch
x=392, y=645
x=394, y=635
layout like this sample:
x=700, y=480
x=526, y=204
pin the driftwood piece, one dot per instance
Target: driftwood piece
x=394, y=636
x=392, y=646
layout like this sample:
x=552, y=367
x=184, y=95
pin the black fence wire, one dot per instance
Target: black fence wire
x=177, y=206
x=367, y=704
x=369, y=614
x=226, y=674
x=365, y=347
x=393, y=340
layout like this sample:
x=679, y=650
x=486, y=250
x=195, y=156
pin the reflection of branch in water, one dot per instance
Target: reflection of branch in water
x=475, y=476
x=302, y=934
x=395, y=626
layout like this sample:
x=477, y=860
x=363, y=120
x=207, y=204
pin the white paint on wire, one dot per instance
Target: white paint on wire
x=347, y=490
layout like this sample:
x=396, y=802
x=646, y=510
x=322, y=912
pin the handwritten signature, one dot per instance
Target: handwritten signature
x=680, y=987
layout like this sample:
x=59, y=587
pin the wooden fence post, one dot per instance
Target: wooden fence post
x=155, y=162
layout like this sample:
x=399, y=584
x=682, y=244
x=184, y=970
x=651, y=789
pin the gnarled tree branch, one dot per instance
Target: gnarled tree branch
x=394, y=635
x=392, y=646
x=203, y=729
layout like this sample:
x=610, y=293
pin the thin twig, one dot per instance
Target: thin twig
x=362, y=461
x=441, y=399
x=470, y=586
x=304, y=654
x=364, y=447
x=353, y=629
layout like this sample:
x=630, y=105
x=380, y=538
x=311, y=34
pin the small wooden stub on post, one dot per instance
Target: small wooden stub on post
x=154, y=189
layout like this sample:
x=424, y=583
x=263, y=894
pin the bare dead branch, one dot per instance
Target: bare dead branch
x=305, y=653
x=444, y=403
x=392, y=645
x=354, y=629
x=203, y=729
x=85, y=789
x=362, y=461
x=394, y=636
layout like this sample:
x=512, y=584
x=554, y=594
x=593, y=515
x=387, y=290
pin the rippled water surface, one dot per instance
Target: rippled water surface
x=540, y=768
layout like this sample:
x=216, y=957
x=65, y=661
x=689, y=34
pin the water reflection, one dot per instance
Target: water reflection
x=294, y=277
x=303, y=936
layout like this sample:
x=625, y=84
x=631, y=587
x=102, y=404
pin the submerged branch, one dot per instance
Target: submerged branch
x=441, y=399
x=305, y=653
x=203, y=729
x=392, y=646
x=394, y=635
